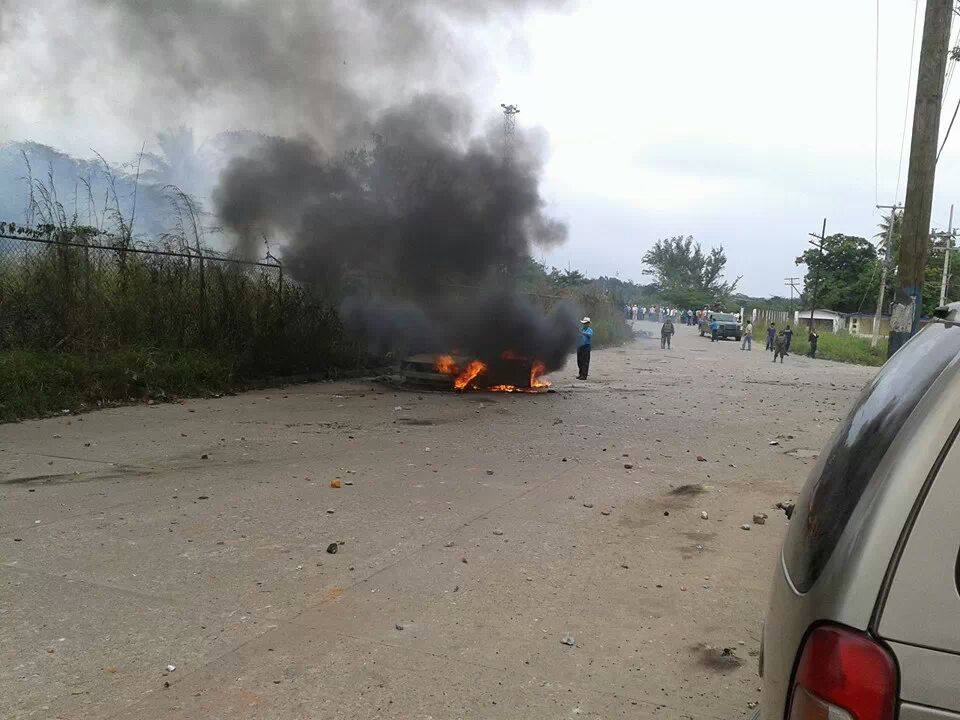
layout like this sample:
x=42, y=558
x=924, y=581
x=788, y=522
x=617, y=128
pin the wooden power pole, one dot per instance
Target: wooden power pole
x=946, y=261
x=915, y=232
x=888, y=244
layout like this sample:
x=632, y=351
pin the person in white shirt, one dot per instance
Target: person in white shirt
x=747, y=343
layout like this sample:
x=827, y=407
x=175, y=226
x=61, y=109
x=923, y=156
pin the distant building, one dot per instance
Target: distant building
x=860, y=324
x=823, y=320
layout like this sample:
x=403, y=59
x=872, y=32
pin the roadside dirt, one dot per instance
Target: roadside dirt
x=497, y=556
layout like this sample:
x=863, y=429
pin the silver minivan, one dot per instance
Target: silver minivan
x=864, y=617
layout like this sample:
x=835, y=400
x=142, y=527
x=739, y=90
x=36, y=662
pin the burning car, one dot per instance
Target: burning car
x=507, y=373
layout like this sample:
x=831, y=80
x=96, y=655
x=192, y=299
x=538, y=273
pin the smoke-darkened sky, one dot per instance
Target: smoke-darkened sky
x=742, y=123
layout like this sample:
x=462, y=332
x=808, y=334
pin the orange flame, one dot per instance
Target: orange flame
x=445, y=365
x=467, y=376
x=536, y=371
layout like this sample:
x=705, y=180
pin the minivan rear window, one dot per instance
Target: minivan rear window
x=845, y=469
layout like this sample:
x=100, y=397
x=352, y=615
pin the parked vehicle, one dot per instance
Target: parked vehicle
x=729, y=325
x=863, y=617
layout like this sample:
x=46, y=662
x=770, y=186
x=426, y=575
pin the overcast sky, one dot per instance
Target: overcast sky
x=742, y=123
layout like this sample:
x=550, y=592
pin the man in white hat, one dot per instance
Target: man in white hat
x=583, y=348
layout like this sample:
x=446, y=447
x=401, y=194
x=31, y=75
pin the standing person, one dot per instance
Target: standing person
x=771, y=335
x=813, y=338
x=780, y=346
x=626, y=311
x=583, y=348
x=714, y=328
x=747, y=343
x=635, y=311
x=666, y=332
x=788, y=334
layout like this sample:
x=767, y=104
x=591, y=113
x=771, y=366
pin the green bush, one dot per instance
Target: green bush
x=35, y=383
x=841, y=347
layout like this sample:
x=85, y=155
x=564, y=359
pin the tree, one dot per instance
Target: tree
x=847, y=273
x=686, y=276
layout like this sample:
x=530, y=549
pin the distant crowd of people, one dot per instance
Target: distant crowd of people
x=778, y=340
x=659, y=313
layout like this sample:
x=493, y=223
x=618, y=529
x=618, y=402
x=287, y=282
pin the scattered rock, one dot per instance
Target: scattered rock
x=204, y=457
x=588, y=505
x=787, y=508
x=605, y=511
x=760, y=519
x=332, y=548
x=666, y=513
x=399, y=626
x=171, y=668
x=568, y=640
x=745, y=526
x=774, y=442
x=203, y=497
x=627, y=466
x=704, y=515
x=489, y=472
x=498, y=532
x=701, y=458
x=330, y=511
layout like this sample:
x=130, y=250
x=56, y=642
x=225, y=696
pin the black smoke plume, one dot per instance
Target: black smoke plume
x=424, y=229
x=379, y=187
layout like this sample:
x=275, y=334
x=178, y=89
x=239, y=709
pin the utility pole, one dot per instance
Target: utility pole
x=888, y=241
x=915, y=233
x=510, y=113
x=946, y=261
x=822, y=237
x=792, y=283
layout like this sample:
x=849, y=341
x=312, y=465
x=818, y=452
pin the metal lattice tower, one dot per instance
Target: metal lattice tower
x=509, y=130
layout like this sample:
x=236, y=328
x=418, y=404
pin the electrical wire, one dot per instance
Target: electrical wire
x=951, y=67
x=906, y=109
x=876, y=114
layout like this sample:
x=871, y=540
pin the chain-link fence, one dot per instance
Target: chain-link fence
x=88, y=293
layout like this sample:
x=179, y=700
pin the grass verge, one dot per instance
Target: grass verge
x=37, y=383
x=841, y=348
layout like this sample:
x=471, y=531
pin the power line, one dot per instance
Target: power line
x=876, y=114
x=949, y=128
x=906, y=110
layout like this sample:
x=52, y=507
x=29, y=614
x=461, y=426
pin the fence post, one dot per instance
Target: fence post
x=203, y=299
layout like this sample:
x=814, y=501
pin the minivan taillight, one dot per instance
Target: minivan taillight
x=843, y=675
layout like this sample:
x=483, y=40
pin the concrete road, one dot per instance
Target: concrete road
x=474, y=533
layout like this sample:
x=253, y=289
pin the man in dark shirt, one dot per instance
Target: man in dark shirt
x=583, y=348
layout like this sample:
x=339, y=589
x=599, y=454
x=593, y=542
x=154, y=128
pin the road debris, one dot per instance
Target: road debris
x=332, y=548
x=171, y=668
x=787, y=508
x=568, y=640
x=336, y=483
